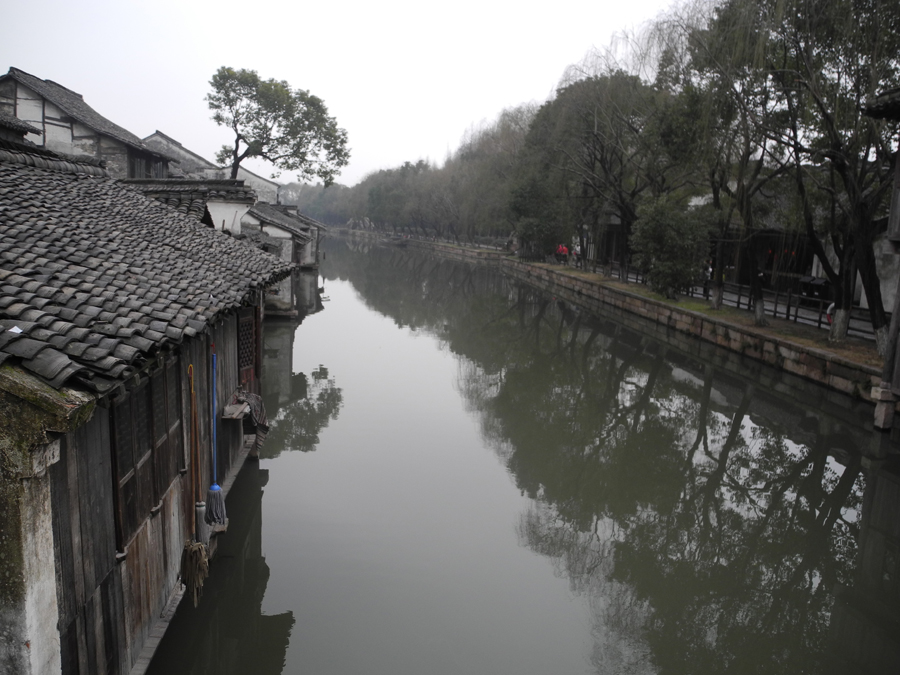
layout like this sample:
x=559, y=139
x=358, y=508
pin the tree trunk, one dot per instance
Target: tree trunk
x=759, y=311
x=717, y=297
x=843, y=293
x=881, y=340
x=756, y=288
x=865, y=256
x=839, y=325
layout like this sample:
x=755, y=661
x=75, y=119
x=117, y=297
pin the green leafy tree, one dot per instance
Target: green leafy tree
x=669, y=243
x=288, y=127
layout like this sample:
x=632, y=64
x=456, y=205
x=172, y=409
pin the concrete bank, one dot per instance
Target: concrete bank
x=596, y=295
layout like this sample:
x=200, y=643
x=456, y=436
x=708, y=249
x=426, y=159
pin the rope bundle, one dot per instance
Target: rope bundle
x=194, y=568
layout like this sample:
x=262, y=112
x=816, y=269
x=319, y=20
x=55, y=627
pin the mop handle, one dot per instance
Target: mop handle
x=215, y=474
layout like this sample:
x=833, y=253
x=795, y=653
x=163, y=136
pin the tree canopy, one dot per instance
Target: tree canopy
x=288, y=127
x=753, y=109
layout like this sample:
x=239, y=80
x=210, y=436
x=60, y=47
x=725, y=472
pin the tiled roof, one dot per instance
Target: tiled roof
x=32, y=155
x=14, y=123
x=311, y=221
x=262, y=241
x=73, y=105
x=293, y=213
x=270, y=215
x=191, y=196
x=95, y=278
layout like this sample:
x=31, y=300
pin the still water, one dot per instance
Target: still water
x=466, y=476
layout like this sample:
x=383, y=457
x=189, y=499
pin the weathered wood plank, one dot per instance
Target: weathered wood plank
x=75, y=521
x=65, y=567
x=87, y=445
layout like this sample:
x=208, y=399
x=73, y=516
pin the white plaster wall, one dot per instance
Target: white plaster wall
x=52, y=110
x=279, y=297
x=308, y=254
x=277, y=232
x=287, y=245
x=41, y=609
x=266, y=191
x=227, y=215
x=59, y=137
x=84, y=141
x=30, y=108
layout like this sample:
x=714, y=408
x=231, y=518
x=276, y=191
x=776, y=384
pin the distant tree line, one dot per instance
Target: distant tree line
x=729, y=127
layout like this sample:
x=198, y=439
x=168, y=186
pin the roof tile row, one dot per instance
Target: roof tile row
x=96, y=278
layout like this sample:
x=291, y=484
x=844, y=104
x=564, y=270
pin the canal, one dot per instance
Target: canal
x=466, y=476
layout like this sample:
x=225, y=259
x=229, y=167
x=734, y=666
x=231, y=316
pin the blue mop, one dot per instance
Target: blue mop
x=215, y=501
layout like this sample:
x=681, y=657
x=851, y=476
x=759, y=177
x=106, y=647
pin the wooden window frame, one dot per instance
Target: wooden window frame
x=147, y=448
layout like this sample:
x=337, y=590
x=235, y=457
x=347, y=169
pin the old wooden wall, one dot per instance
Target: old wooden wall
x=229, y=433
x=109, y=599
x=89, y=587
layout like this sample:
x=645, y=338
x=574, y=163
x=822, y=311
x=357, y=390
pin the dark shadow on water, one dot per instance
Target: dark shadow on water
x=227, y=634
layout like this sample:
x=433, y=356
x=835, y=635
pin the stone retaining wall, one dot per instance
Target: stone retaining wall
x=809, y=363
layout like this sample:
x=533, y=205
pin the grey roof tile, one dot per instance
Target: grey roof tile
x=99, y=277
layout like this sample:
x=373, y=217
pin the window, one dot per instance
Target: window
x=134, y=469
x=168, y=443
x=149, y=448
x=147, y=166
x=247, y=347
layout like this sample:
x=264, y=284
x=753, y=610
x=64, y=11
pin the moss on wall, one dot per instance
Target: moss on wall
x=31, y=412
x=12, y=589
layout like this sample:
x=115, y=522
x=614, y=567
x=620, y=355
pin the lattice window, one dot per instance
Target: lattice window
x=246, y=343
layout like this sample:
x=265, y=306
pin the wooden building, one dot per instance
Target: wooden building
x=111, y=306
x=299, y=244
x=64, y=123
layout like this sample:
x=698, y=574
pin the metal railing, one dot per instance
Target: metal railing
x=797, y=307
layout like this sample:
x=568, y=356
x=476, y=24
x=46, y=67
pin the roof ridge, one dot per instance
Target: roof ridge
x=57, y=84
x=210, y=165
x=79, y=109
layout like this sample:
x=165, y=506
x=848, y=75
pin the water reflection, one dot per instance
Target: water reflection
x=227, y=634
x=710, y=509
x=298, y=405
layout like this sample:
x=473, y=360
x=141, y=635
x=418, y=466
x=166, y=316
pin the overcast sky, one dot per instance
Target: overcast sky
x=405, y=78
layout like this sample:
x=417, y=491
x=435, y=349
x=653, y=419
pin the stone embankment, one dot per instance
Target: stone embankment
x=597, y=295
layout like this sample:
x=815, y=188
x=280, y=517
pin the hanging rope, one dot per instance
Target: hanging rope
x=194, y=568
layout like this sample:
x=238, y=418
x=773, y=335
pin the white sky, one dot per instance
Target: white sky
x=403, y=77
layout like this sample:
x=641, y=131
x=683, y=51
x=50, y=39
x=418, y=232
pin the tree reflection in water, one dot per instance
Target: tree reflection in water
x=299, y=406
x=707, y=515
x=316, y=400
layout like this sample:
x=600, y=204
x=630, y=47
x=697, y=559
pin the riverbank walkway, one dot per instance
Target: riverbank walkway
x=789, y=318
